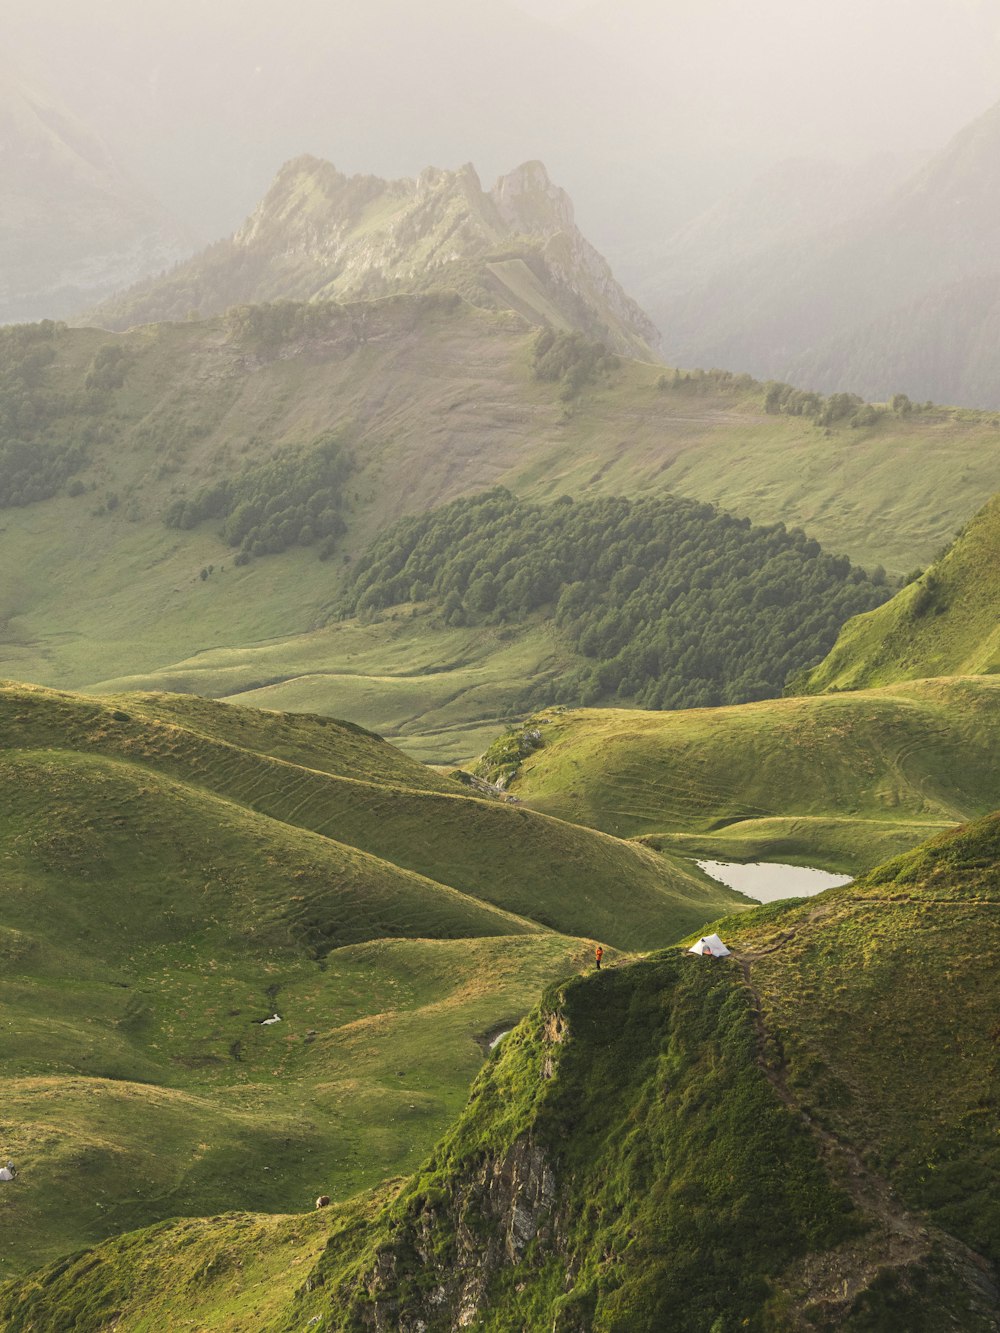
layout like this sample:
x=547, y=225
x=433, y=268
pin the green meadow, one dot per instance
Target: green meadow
x=438, y=400
x=176, y=871
x=943, y=623
x=439, y=693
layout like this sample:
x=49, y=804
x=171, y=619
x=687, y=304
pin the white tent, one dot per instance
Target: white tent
x=710, y=944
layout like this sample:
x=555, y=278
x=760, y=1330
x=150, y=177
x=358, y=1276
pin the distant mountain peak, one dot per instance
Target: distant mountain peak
x=530, y=203
x=318, y=234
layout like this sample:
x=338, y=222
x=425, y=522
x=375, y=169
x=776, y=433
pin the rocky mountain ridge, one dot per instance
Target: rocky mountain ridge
x=319, y=234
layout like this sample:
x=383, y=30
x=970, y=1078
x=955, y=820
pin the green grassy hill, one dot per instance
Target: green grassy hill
x=799, y=1136
x=944, y=623
x=432, y=399
x=174, y=871
x=840, y=781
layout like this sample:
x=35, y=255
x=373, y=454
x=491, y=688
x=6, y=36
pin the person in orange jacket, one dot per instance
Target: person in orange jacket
x=598, y=955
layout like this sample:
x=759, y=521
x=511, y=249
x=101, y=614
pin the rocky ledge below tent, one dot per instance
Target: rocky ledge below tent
x=623, y=1162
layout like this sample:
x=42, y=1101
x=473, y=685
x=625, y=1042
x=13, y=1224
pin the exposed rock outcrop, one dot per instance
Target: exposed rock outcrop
x=319, y=234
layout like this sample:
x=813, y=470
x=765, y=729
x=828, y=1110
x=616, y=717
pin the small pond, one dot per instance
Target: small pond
x=768, y=881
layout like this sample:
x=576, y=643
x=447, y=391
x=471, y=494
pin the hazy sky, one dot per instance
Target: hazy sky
x=647, y=110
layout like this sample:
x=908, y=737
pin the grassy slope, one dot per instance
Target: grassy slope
x=882, y=997
x=556, y=874
x=840, y=781
x=684, y=1183
x=438, y=401
x=173, y=870
x=946, y=623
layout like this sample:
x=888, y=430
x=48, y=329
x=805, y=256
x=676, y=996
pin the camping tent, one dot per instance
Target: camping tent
x=712, y=944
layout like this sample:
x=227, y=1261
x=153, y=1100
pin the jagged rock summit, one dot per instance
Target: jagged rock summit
x=321, y=235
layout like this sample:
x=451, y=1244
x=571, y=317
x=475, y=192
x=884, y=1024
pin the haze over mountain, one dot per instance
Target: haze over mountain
x=73, y=225
x=647, y=113
x=903, y=298
x=321, y=235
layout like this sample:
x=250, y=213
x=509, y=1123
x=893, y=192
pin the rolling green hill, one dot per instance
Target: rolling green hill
x=840, y=781
x=799, y=1136
x=946, y=622
x=428, y=399
x=174, y=871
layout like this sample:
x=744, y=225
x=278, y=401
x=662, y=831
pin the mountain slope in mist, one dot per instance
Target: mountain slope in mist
x=204, y=102
x=73, y=227
x=905, y=298
x=322, y=235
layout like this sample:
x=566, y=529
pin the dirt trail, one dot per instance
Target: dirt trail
x=898, y=1238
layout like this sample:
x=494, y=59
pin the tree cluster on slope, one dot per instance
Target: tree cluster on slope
x=785, y=400
x=672, y=603
x=571, y=360
x=34, y=462
x=296, y=499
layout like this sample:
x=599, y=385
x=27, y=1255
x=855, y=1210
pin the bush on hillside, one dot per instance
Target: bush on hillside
x=296, y=499
x=571, y=359
x=34, y=466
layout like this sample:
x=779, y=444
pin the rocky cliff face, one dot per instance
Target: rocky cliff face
x=573, y=1193
x=318, y=234
x=506, y=1203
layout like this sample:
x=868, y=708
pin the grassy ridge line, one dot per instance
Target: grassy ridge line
x=945, y=623
x=440, y=694
x=330, y=746
x=887, y=764
x=295, y=887
x=882, y=1013
x=569, y=879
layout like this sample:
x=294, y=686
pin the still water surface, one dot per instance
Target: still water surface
x=767, y=880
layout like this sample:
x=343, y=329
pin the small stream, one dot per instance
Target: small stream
x=767, y=881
